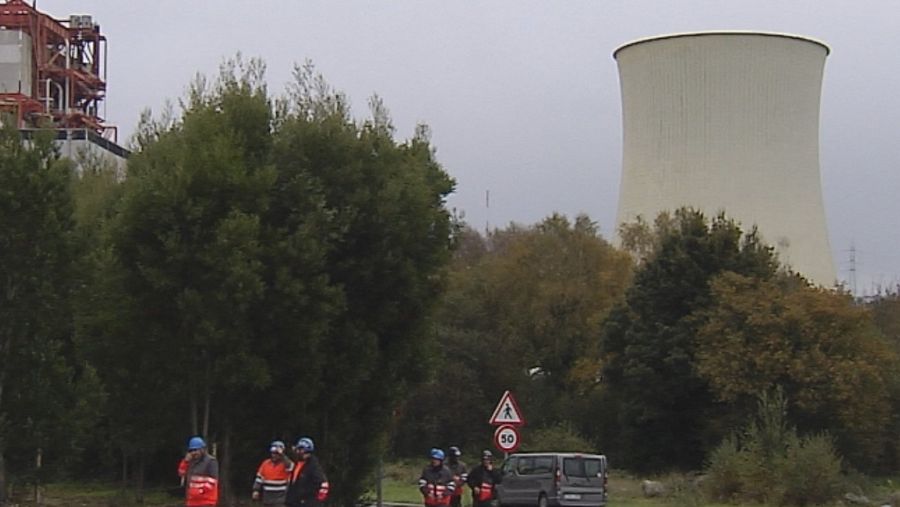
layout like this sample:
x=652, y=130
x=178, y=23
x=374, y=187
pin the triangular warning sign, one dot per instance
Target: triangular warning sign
x=507, y=411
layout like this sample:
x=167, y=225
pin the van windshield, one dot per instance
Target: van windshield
x=582, y=467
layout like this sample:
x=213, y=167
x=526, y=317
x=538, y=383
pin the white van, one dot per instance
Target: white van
x=553, y=479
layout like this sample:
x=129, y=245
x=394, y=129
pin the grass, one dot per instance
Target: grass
x=400, y=485
x=94, y=495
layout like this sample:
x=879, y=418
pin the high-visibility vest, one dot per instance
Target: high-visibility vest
x=298, y=467
x=486, y=491
x=437, y=494
x=324, y=489
x=272, y=478
x=202, y=482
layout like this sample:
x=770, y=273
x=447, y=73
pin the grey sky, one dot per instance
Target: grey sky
x=523, y=97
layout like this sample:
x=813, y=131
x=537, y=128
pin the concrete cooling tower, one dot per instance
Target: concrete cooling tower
x=728, y=121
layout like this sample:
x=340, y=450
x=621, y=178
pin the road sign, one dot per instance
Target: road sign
x=506, y=438
x=507, y=412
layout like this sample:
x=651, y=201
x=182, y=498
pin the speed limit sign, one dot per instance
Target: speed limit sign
x=506, y=438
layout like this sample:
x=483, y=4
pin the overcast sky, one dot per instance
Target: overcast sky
x=523, y=97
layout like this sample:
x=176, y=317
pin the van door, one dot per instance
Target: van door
x=506, y=490
x=543, y=480
x=521, y=479
x=583, y=480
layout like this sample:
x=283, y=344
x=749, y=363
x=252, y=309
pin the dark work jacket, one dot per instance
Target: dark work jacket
x=305, y=486
x=458, y=470
x=479, y=476
x=436, y=485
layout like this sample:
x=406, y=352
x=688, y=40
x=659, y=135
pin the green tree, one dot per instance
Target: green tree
x=387, y=249
x=522, y=312
x=36, y=249
x=817, y=344
x=663, y=408
x=273, y=265
x=181, y=271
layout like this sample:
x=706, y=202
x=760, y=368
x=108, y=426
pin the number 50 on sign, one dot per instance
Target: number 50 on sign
x=506, y=438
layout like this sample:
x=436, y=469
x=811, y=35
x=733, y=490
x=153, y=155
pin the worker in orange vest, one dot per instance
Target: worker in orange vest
x=200, y=472
x=308, y=485
x=272, y=476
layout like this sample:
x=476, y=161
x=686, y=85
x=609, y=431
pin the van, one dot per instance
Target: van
x=553, y=479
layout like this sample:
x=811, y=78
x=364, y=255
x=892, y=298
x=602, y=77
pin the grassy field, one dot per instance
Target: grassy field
x=69, y=494
x=400, y=486
x=624, y=491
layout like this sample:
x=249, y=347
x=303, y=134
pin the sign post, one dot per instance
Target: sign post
x=508, y=418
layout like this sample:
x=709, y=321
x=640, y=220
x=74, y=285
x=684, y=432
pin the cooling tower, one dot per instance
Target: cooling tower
x=728, y=121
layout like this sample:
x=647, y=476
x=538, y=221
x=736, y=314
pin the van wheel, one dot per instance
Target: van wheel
x=542, y=500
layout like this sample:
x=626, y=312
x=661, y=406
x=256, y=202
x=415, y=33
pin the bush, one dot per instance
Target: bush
x=684, y=490
x=769, y=463
x=562, y=438
x=811, y=472
x=723, y=475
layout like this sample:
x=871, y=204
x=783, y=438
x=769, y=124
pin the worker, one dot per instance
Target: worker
x=460, y=474
x=308, y=486
x=436, y=481
x=273, y=475
x=200, y=472
x=483, y=480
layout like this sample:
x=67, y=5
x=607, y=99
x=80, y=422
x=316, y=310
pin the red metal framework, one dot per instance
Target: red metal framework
x=68, y=70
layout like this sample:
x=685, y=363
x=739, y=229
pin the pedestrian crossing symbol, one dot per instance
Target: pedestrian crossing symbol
x=507, y=412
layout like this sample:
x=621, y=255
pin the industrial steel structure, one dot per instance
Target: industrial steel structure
x=53, y=75
x=728, y=121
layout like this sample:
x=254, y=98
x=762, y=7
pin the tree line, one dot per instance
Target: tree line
x=264, y=271
x=271, y=266
x=657, y=351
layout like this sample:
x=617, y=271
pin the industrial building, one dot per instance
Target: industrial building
x=728, y=121
x=53, y=74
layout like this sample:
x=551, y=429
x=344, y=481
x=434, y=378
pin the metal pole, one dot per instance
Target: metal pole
x=38, y=492
x=378, y=490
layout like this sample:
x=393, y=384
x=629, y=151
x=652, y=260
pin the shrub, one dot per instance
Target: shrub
x=769, y=463
x=723, y=474
x=684, y=490
x=562, y=438
x=810, y=472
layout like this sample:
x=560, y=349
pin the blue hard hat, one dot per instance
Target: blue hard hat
x=437, y=454
x=306, y=444
x=196, y=443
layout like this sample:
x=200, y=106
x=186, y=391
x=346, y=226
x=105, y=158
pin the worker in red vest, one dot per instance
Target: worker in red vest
x=272, y=476
x=308, y=485
x=436, y=482
x=483, y=480
x=200, y=472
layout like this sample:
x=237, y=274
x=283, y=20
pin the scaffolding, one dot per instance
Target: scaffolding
x=61, y=80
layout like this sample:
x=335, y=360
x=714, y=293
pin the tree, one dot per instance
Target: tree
x=522, y=312
x=387, y=247
x=36, y=382
x=273, y=264
x=663, y=408
x=886, y=314
x=817, y=344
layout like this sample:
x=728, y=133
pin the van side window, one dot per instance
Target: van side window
x=578, y=467
x=508, y=466
x=525, y=466
x=543, y=465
